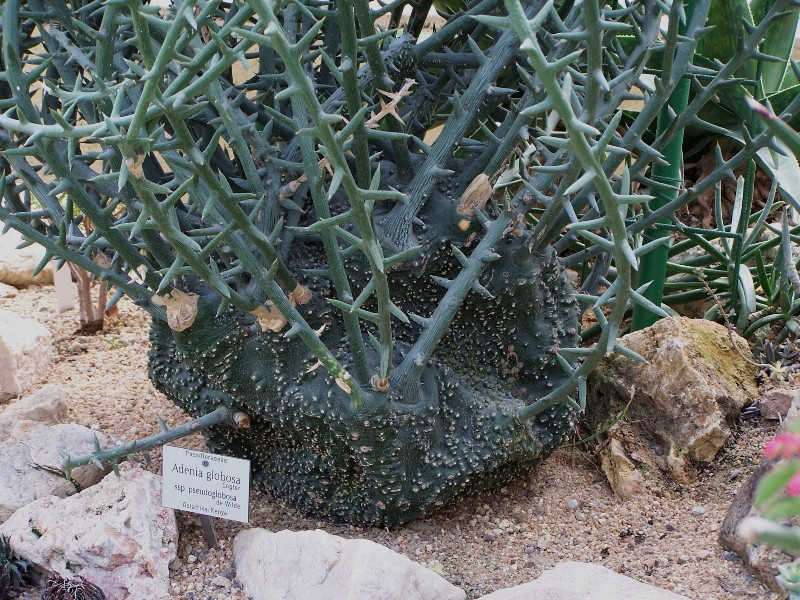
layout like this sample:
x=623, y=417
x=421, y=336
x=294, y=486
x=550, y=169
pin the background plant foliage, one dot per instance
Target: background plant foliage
x=352, y=233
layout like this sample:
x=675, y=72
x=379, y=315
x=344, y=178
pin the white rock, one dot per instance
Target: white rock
x=221, y=581
x=45, y=442
x=582, y=581
x=47, y=405
x=17, y=264
x=116, y=534
x=315, y=565
x=8, y=291
x=26, y=350
x=30, y=463
x=24, y=483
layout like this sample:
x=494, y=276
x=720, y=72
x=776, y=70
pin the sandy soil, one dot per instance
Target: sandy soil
x=564, y=510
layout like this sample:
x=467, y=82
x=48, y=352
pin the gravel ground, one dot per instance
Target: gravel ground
x=563, y=511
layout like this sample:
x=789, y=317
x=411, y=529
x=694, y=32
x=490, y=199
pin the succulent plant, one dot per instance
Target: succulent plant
x=12, y=568
x=77, y=588
x=358, y=236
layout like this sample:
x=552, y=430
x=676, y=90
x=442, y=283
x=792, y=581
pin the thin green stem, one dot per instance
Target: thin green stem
x=652, y=268
x=220, y=416
x=349, y=70
x=331, y=147
x=335, y=264
x=382, y=82
x=408, y=374
x=620, y=290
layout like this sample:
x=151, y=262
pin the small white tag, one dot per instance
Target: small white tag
x=205, y=483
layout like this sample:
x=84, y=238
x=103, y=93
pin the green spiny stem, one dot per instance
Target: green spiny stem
x=242, y=220
x=220, y=416
x=408, y=374
x=349, y=70
x=594, y=60
x=382, y=82
x=740, y=158
x=335, y=155
x=749, y=185
x=184, y=136
x=185, y=248
x=545, y=232
x=652, y=268
x=57, y=162
x=397, y=225
x=726, y=72
x=460, y=25
x=335, y=264
x=157, y=65
x=184, y=82
x=133, y=290
x=218, y=99
x=615, y=223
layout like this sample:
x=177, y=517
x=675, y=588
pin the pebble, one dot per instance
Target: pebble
x=544, y=541
x=572, y=504
x=734, y=474
x=703, y=554
x=221, y=581
x=191, y=558
x=529, y=550
x=698, y=511
x=731, y=556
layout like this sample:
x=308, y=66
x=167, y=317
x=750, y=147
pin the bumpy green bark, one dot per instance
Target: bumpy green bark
x=394, y=459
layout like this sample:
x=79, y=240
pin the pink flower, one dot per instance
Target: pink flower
x=786, y=445
x=793, y=486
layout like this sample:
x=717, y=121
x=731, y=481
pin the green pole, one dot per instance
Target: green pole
x=653, y=265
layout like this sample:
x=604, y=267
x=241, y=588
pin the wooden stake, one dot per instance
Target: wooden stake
x=208, y=531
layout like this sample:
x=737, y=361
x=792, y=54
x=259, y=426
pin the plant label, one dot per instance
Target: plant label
x=207, y=484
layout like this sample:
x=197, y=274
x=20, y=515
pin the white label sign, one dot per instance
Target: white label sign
x=205, y=483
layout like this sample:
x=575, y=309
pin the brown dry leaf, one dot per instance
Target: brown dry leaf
x=135, y=166
x=300, y=295
x=181, y=308
x=391, y=107
x=269, y=317
x=475, y=196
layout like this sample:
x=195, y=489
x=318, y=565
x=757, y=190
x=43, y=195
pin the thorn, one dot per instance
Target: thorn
x=445, y=283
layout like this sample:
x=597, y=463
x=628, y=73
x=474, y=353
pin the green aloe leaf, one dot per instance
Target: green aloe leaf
x=778, y=43
x=723, y=42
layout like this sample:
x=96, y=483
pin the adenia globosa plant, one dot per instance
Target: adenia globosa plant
x=355, y=231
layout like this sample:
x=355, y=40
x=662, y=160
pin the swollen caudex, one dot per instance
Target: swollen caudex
x=394, y=459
